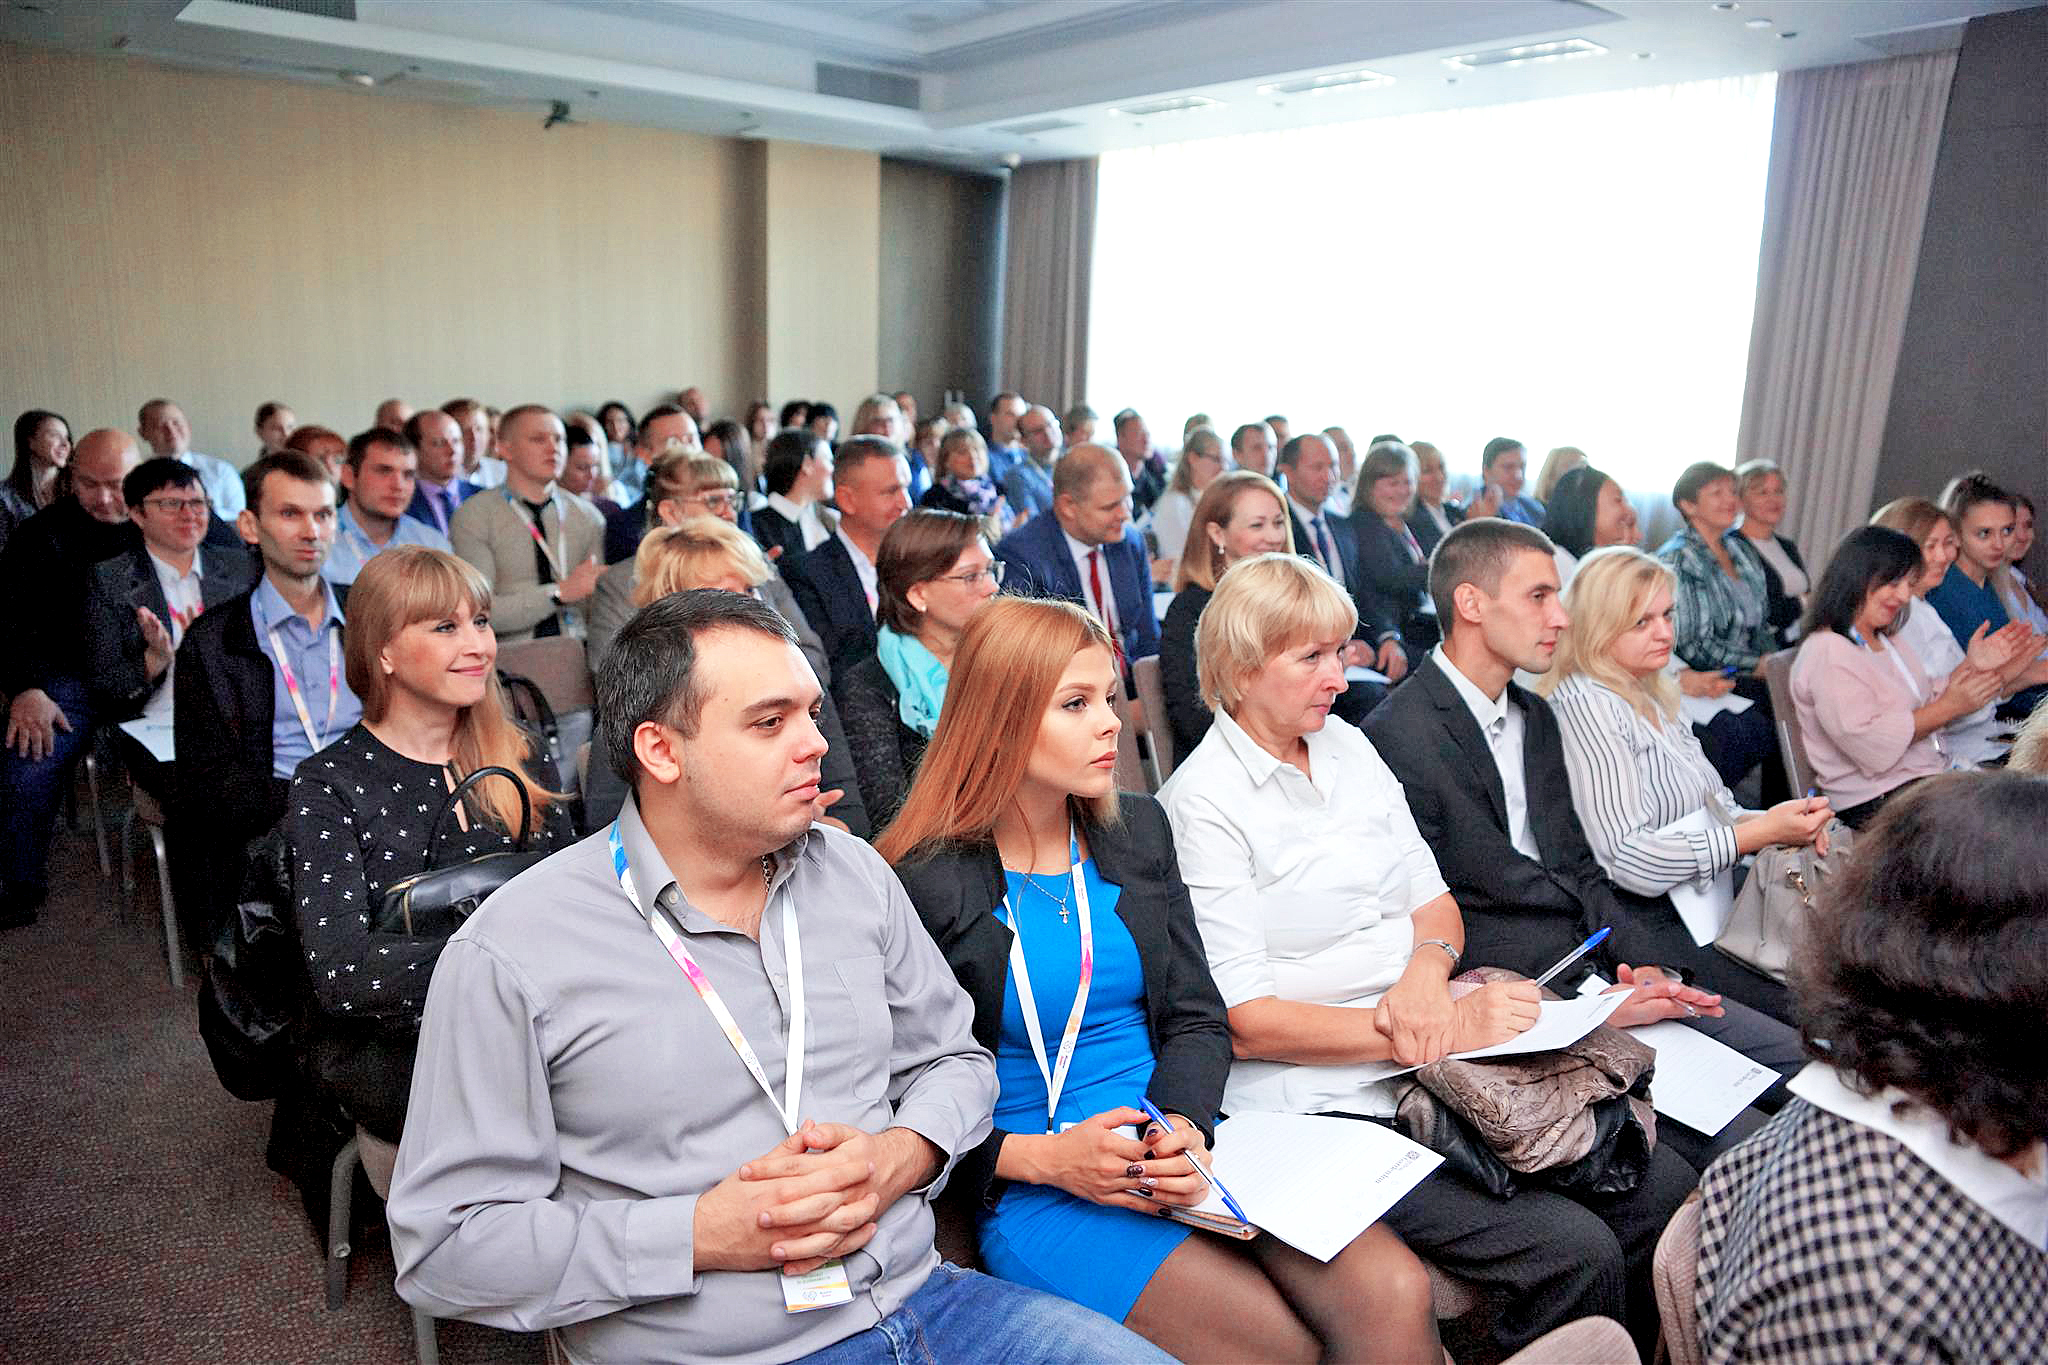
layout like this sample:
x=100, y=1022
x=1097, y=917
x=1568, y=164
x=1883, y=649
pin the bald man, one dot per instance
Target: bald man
x=691, y=400
x=1028, y=485
x=393, y=414
x=163, y=424
x=1087, y=552
x=44, y=575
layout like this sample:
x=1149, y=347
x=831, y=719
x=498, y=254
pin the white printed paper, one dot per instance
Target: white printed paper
x=1314, y=1182
x=1700, y=1082
x=153, y=735
x=1704, y=907
x=1560, y=1023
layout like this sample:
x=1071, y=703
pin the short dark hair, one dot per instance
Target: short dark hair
x=1574, y=504
x=606, y=410
x=794, y=413
x=22, y=475
x=1696, y=479
x=1967, y=491
x=360, y=443
x=1925, y=963
x=1384, y=436
x=916, y=549
x=1868, y=558
x=855, y=451
x=1478, y=552
x=784, y=458
x=1290, y=454
x=1279, y=417
x=650, y=671
x=1497, y=447
x=822, y=410
x=293, y=464
x=1237, y=437
x=156, y=474
x=266, y=411
x=1382, y=461
x=575, y=436
x=1124, y=419
x=1001, y=396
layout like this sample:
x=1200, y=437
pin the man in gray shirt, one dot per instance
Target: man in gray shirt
x=604, y=1134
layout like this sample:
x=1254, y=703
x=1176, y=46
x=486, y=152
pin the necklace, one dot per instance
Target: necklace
x=1060, y=901
x=767, y=871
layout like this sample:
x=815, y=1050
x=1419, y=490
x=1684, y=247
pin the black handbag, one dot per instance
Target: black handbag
x=433, y=902
x=252, y=1005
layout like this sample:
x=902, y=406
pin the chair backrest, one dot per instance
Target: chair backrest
x=1777, y=671
x=1130, y=768
x=557, y=666
x=1152, y=696
x=1675, y=1272
x=583, y=766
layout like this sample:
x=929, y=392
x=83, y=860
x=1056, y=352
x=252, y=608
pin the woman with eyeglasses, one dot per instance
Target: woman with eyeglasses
x=933, y=573
x=1201, y=459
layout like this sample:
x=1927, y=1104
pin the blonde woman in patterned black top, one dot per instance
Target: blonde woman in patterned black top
x=422, y=656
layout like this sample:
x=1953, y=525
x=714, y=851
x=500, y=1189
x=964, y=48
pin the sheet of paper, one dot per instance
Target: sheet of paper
x=154, y=736
x=1314, y=1182
x=1360, y=673
x=1700, y=1082
x=1560, y=1023
x=1704, y=908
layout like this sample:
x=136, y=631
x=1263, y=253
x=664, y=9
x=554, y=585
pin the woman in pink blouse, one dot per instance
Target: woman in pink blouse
x=1869, y=713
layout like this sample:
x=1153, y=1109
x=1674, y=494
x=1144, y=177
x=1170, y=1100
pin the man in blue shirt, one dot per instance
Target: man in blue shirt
x=1503, y=465
x=1004, y=411
x=1028, y=487
x=163, y=424
x=380, y=476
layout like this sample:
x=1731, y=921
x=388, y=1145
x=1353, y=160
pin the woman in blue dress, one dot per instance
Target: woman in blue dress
x=1019, y=852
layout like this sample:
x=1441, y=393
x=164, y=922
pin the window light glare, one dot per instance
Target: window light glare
x=1528, y=53
x=1756, y=23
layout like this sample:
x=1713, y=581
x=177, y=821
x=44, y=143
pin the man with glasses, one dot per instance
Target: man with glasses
x=1028, y=487
x=379, y=477
x=536, y=545
x=139, y=603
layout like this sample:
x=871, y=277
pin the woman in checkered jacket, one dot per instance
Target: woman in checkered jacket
x=1897, y=1211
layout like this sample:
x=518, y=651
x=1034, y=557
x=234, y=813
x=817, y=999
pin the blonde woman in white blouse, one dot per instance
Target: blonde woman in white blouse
x=1656, y=813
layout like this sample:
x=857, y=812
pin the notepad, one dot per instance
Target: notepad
x=1700, y=1082
x=1703, y=907
x=1313, y=1182
x=153, y=735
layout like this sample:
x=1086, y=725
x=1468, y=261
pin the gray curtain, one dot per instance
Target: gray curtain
x=1852, y=162
x=1045, y=281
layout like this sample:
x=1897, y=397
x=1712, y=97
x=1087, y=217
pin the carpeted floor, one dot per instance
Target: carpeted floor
x=137, y=1219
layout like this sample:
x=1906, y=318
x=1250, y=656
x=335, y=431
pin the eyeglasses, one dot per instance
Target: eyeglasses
x=716, y=502
x=176, y=506
x=972, y=579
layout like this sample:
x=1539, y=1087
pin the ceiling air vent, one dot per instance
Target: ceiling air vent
x=861, y=83
x=322, y=9
x=1037, y=126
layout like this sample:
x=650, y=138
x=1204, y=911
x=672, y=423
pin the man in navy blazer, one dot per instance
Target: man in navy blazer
x=1085, y=545
x=835, y=583
x=438, y=486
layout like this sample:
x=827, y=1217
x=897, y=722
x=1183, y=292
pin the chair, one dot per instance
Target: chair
x=1675, y=1272
x=1130, y=767
x=1152, y=695
x=1589, y=1341
x=558, y=667
x=99, y=813
x=1777, y=671
x=151, y=815
x=377, y=1158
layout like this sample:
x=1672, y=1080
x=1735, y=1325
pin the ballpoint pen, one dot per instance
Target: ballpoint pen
x=1574, y=955
x=1153, y=1113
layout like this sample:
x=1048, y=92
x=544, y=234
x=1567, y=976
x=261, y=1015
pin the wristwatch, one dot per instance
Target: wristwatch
x=1438, y=943
x=555, y=593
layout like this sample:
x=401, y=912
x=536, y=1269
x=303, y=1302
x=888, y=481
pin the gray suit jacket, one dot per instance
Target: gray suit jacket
x=119, y=677
x=498, y=539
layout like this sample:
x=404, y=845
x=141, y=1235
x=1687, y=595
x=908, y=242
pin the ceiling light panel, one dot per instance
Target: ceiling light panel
x=1563, y=50
x=1180, y=104
x=1324, y=85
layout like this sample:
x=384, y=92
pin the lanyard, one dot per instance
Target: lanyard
x=553, y=553
x=318, y=739
x=1055, y=1073
x=792, y=947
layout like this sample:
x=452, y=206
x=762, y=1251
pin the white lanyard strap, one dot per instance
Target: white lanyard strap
x=553, y=552
x=1055, y=1073
x=318, y=739
x=786, y=1108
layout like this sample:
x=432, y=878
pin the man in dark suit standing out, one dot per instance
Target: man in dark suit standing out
x=1087, y=552
x=835, y=583
x=438, y=485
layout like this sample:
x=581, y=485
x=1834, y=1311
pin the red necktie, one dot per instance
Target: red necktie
x=1095, y=588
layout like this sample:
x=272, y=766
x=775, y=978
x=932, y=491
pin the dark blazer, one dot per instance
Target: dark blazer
x=1518, y=913
x=1341, y=535
x=1781, y=610
x=827, y=587
x=956, y=892
x=885, y=751
x=1424, y=527
x=623, y=528
x=223, y=795
x=418, y=509
x=1390, y=587
x=44, y=573
x=116, y=672
x=773, y=531
x=1039, y=565
x=1179, y=678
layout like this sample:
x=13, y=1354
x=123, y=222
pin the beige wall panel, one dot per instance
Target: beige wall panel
x=224, y=241
x=823, y=209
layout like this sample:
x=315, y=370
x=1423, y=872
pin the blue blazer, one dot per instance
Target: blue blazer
x=1340, y=532
x=1037, y=564
x=827, y=587
x=1391, y=587
x=419, y=511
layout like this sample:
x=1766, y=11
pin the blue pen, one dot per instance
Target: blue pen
x=1153, y=1113
x=1730, y=671
x=1574, y=955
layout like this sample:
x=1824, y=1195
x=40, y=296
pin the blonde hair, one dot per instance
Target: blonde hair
x=400, y=587
x=693, y=554
x=1264, y=605
x=1914, y=517
x=1556, y=465
x=1010, y=659
x=1201, y=562
x=877, y=406
x=1424, y=452
x=2030, y=751
x=680, y=475
x=1182, y=479
x=1606, y=598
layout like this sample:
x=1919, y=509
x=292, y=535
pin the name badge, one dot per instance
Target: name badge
x=825, y=1287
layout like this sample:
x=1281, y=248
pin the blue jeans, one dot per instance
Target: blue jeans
x=960, y=1315
x=32, y=789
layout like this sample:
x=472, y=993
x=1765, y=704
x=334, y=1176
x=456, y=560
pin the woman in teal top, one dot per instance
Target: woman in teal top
x=1058, y=902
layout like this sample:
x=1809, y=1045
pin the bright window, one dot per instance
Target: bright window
x=1567, y=272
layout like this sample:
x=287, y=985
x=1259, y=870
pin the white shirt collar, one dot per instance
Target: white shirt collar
x=1486, y=710
x=788, y=510
x=167, y=572
x=1307, y=514
x=1079, y=549
x=1260, y=765
x=2017, y=1200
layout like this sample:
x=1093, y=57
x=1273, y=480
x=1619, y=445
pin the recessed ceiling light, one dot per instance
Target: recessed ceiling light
x=1323, y=85
x=1725, y=5
x=1756, y=23
x=1178, y=104
x=1558, y=51
x=1644, y=56
x=1789, y=33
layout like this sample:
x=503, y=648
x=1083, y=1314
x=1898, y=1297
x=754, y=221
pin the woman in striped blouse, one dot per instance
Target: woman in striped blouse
x=1656, y=813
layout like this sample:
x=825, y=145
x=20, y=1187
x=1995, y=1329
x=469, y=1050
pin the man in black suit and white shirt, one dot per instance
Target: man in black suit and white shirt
x=1482, y=763
x=835, y=583
x=1310, y=467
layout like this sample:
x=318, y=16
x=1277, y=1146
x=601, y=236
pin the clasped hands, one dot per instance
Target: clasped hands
x=816, y=1195
x=1425, y=1024
x=1097, y=1160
